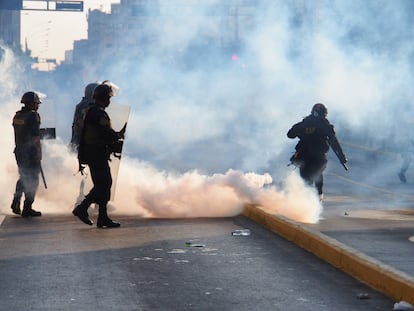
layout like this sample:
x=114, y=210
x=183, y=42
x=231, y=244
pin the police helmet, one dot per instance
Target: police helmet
x=319, y=110
x=114, y=87
x=89, y=89
x=30, y=97
x=105, y=89
x=102, y=91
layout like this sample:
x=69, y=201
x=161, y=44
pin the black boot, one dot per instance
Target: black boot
x=28, y=211
x=81, y=211
x=104, y=220
x=15, y=206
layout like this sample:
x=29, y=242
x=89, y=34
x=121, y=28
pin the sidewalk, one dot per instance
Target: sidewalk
x=372, y=246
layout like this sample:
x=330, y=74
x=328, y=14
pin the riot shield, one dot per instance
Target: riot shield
x=119, y=115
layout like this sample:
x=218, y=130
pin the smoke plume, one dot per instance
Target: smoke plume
x=207, y=129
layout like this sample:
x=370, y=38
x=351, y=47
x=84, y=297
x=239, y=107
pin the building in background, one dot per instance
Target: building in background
x=134, y=28
x=10, y=25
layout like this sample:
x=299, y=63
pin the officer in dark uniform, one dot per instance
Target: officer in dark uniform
x=79, y=115
x=97, y=142
x=28, y=154
x=315, y=135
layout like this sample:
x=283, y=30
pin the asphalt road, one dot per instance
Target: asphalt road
x=57, y=263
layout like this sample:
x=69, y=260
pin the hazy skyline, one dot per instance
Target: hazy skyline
x=49, y=34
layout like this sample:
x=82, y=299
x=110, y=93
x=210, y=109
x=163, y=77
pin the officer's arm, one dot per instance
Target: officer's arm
x=335, y=145
x=122, y=131
x=34, y=128
x=38, y=146
x=75, y=116
x=109, y=134
x=295, y=130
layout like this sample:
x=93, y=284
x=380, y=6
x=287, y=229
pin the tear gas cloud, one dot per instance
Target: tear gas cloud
x=206, y=137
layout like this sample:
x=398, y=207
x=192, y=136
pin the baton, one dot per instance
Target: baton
x=43, y=176
x=339, y=158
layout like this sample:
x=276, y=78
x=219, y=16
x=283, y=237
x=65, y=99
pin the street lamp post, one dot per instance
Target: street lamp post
x=39, y=29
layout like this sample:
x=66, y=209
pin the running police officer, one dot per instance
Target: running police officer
x=28, y=154
x=96, y=144
x=315, y=135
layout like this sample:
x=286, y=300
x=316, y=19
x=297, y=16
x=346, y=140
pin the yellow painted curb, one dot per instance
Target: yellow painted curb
x=383, y=278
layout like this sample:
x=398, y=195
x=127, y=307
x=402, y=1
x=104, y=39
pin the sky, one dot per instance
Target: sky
x=50, y=33
x=204, y=139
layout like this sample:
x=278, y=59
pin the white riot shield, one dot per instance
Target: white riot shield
x=119, y=115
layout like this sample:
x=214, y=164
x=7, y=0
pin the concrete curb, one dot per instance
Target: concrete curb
x=2, y=217
x=383, y=278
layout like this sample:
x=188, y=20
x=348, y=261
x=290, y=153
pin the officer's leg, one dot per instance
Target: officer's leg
x=320, y=167
x=15, y=206
x=306, y=173
x=406, y=156
x=30, y=181
x=319, y=184
x=81, y=210
x=104, y=188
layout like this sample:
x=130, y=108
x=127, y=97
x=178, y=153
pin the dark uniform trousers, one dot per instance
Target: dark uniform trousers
x=312, y=171
x=29, y=171
x=102, y=180
x=97, y=160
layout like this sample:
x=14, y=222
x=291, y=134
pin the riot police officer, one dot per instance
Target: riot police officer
x=96, y=144
x=28, y=154
x=315, y=135
x=79, y=115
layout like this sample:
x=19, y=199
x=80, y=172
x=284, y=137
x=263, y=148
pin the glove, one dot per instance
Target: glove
x=81, y=168
x=122, y=131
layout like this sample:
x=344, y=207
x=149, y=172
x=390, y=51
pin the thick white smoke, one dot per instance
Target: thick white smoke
x=145, y=191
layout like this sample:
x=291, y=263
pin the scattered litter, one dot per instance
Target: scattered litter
x=146, y=258
x=363, y=296
x=177, y=251
x=403, y=306
x=242, y=232
x=206, y=250
x=191, y=244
